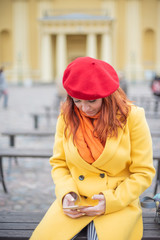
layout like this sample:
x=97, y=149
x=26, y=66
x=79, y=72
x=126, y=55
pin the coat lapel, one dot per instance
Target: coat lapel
x=110, y=149
x=107, y=154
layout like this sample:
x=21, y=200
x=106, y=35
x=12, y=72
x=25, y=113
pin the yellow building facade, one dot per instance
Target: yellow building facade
x=38, y=38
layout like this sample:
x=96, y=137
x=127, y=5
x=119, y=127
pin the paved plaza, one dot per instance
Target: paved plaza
x=29, y=183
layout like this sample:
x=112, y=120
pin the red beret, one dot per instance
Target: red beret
x=88, y=79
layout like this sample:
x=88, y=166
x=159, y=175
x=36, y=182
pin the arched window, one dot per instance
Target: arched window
x=149, y=51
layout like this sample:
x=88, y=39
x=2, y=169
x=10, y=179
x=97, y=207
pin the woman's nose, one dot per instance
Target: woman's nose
x=85, y=107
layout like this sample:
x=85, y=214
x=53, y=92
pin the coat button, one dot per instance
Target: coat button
x=102, y=175
x=81, y=177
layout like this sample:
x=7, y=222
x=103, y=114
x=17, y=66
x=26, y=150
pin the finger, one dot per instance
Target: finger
x=77, y=215
x=95, y=210
x=86, y=210
x=92, y=211
x=73, y=212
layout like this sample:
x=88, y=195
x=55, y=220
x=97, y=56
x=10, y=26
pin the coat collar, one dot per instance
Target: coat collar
x=107, y=154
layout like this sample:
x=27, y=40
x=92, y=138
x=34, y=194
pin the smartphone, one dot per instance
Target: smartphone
x=75, y=207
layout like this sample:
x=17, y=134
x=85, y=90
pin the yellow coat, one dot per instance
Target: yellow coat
x=122, y=172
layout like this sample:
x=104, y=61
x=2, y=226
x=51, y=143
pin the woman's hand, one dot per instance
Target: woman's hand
x=99, y=209
x=69, y=200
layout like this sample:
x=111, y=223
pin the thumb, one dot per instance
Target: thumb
x=98, y=197
x=70, y=197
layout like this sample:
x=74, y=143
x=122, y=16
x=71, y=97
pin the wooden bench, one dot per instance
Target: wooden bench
x=50, y=111
x=151, y=115
x=12, y=134
x=155, y=133
x=20, y=225
x=149, y=103
x=19, y=152
x=48, y=115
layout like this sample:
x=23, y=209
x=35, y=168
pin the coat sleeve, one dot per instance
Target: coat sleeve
x=62, y=178
x=141, y=167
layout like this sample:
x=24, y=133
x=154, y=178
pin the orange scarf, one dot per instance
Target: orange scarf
x=88, y=144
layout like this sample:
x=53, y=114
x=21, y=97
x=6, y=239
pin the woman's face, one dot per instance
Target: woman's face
x=89, y=107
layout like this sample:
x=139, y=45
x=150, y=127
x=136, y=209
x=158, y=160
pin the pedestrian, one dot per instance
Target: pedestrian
x=155, y=86
x=3, y=88
x=102, y=160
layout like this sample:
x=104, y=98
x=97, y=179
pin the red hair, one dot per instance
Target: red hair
x=114, y=111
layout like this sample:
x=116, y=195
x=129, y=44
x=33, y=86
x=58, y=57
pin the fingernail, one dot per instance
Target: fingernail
x=72, y=199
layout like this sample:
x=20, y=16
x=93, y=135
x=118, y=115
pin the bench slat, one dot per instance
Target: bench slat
x=20, y=152
x=20, y=217
x=151, y=226
x=148, y=220
x=14, y=234
x=28, y=133
x=151, y=235
x=17, y=226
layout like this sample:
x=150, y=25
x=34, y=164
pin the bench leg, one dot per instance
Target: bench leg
x=12, y=144
x=35, y=121
x=157, y=178
x=48, y=118
x=2, y=176
x=156, y=106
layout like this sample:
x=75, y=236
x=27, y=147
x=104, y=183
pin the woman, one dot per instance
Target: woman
x=102, y=159
x=3, y=88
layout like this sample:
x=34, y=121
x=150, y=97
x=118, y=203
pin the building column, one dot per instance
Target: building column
x=61, y=56
x=106, y=48
x=46, y=58
x=133, y=69
x=158, y=40
x=108, y=8
x=92, y=45
x=20, y=40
